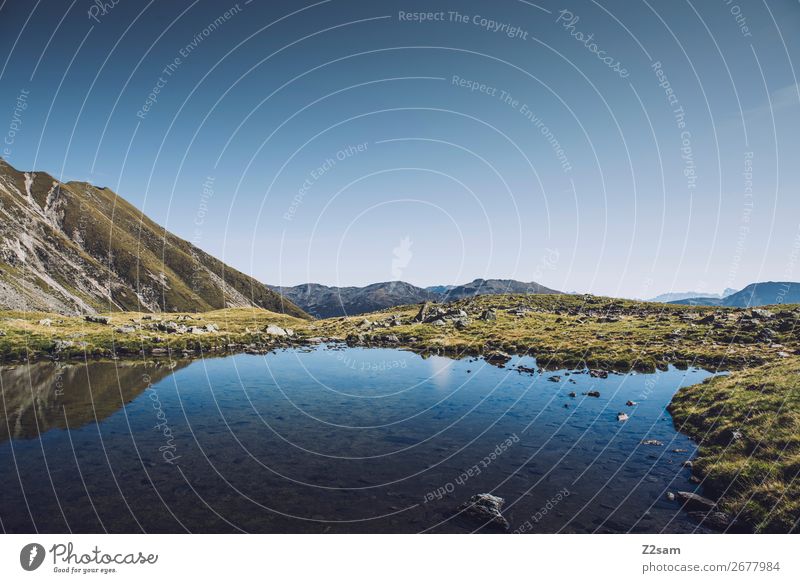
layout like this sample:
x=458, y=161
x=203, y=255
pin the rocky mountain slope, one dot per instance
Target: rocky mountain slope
x=754, y=295
x=327, y=302
x=74, y=248
x=484, y=287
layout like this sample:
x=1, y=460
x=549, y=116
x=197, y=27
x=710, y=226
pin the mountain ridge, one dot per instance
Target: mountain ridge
x=324, y=301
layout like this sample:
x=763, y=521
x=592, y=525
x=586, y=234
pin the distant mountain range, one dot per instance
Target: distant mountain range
x=74, y=248
x=326, y=302
x=676, y=296
x=755, y=294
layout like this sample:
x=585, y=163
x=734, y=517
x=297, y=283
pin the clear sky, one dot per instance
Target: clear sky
x=619, y=148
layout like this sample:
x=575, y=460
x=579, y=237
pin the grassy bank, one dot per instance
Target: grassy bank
x=748, y=428
x=566, y=331
x=33, y=335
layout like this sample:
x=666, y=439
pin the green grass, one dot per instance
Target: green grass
x=748, y=428
x=24, y=338
x=564, y=331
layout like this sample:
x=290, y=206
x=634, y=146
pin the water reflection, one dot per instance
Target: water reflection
x=43, y=396
x=354, y=440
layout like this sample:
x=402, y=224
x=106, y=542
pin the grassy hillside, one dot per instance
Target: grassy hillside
x=75, y=248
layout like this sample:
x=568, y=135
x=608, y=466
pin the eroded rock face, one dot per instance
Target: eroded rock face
x=485, y=509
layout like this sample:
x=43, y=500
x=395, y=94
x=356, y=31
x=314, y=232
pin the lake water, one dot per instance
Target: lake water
x=335, y=440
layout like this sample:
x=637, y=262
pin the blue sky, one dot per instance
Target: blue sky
x=352, y=142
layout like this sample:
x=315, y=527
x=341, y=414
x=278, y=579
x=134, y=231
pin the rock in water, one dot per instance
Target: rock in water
x=485, y=508
x=694, y=501
x=497, y=358
x=622, y=417
x=652, y=442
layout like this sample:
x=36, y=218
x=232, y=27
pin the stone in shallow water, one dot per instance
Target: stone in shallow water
x=485, y=508
x=694, y=501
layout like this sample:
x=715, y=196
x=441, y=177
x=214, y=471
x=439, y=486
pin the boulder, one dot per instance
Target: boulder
x=489, y=315
x=497, y=358
x=95, y=319
x=692, y=501
x=60, y=345
x=45, y=322
x=274, y=330
x=485, y=509
x=423, y=313
x=354, y=339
